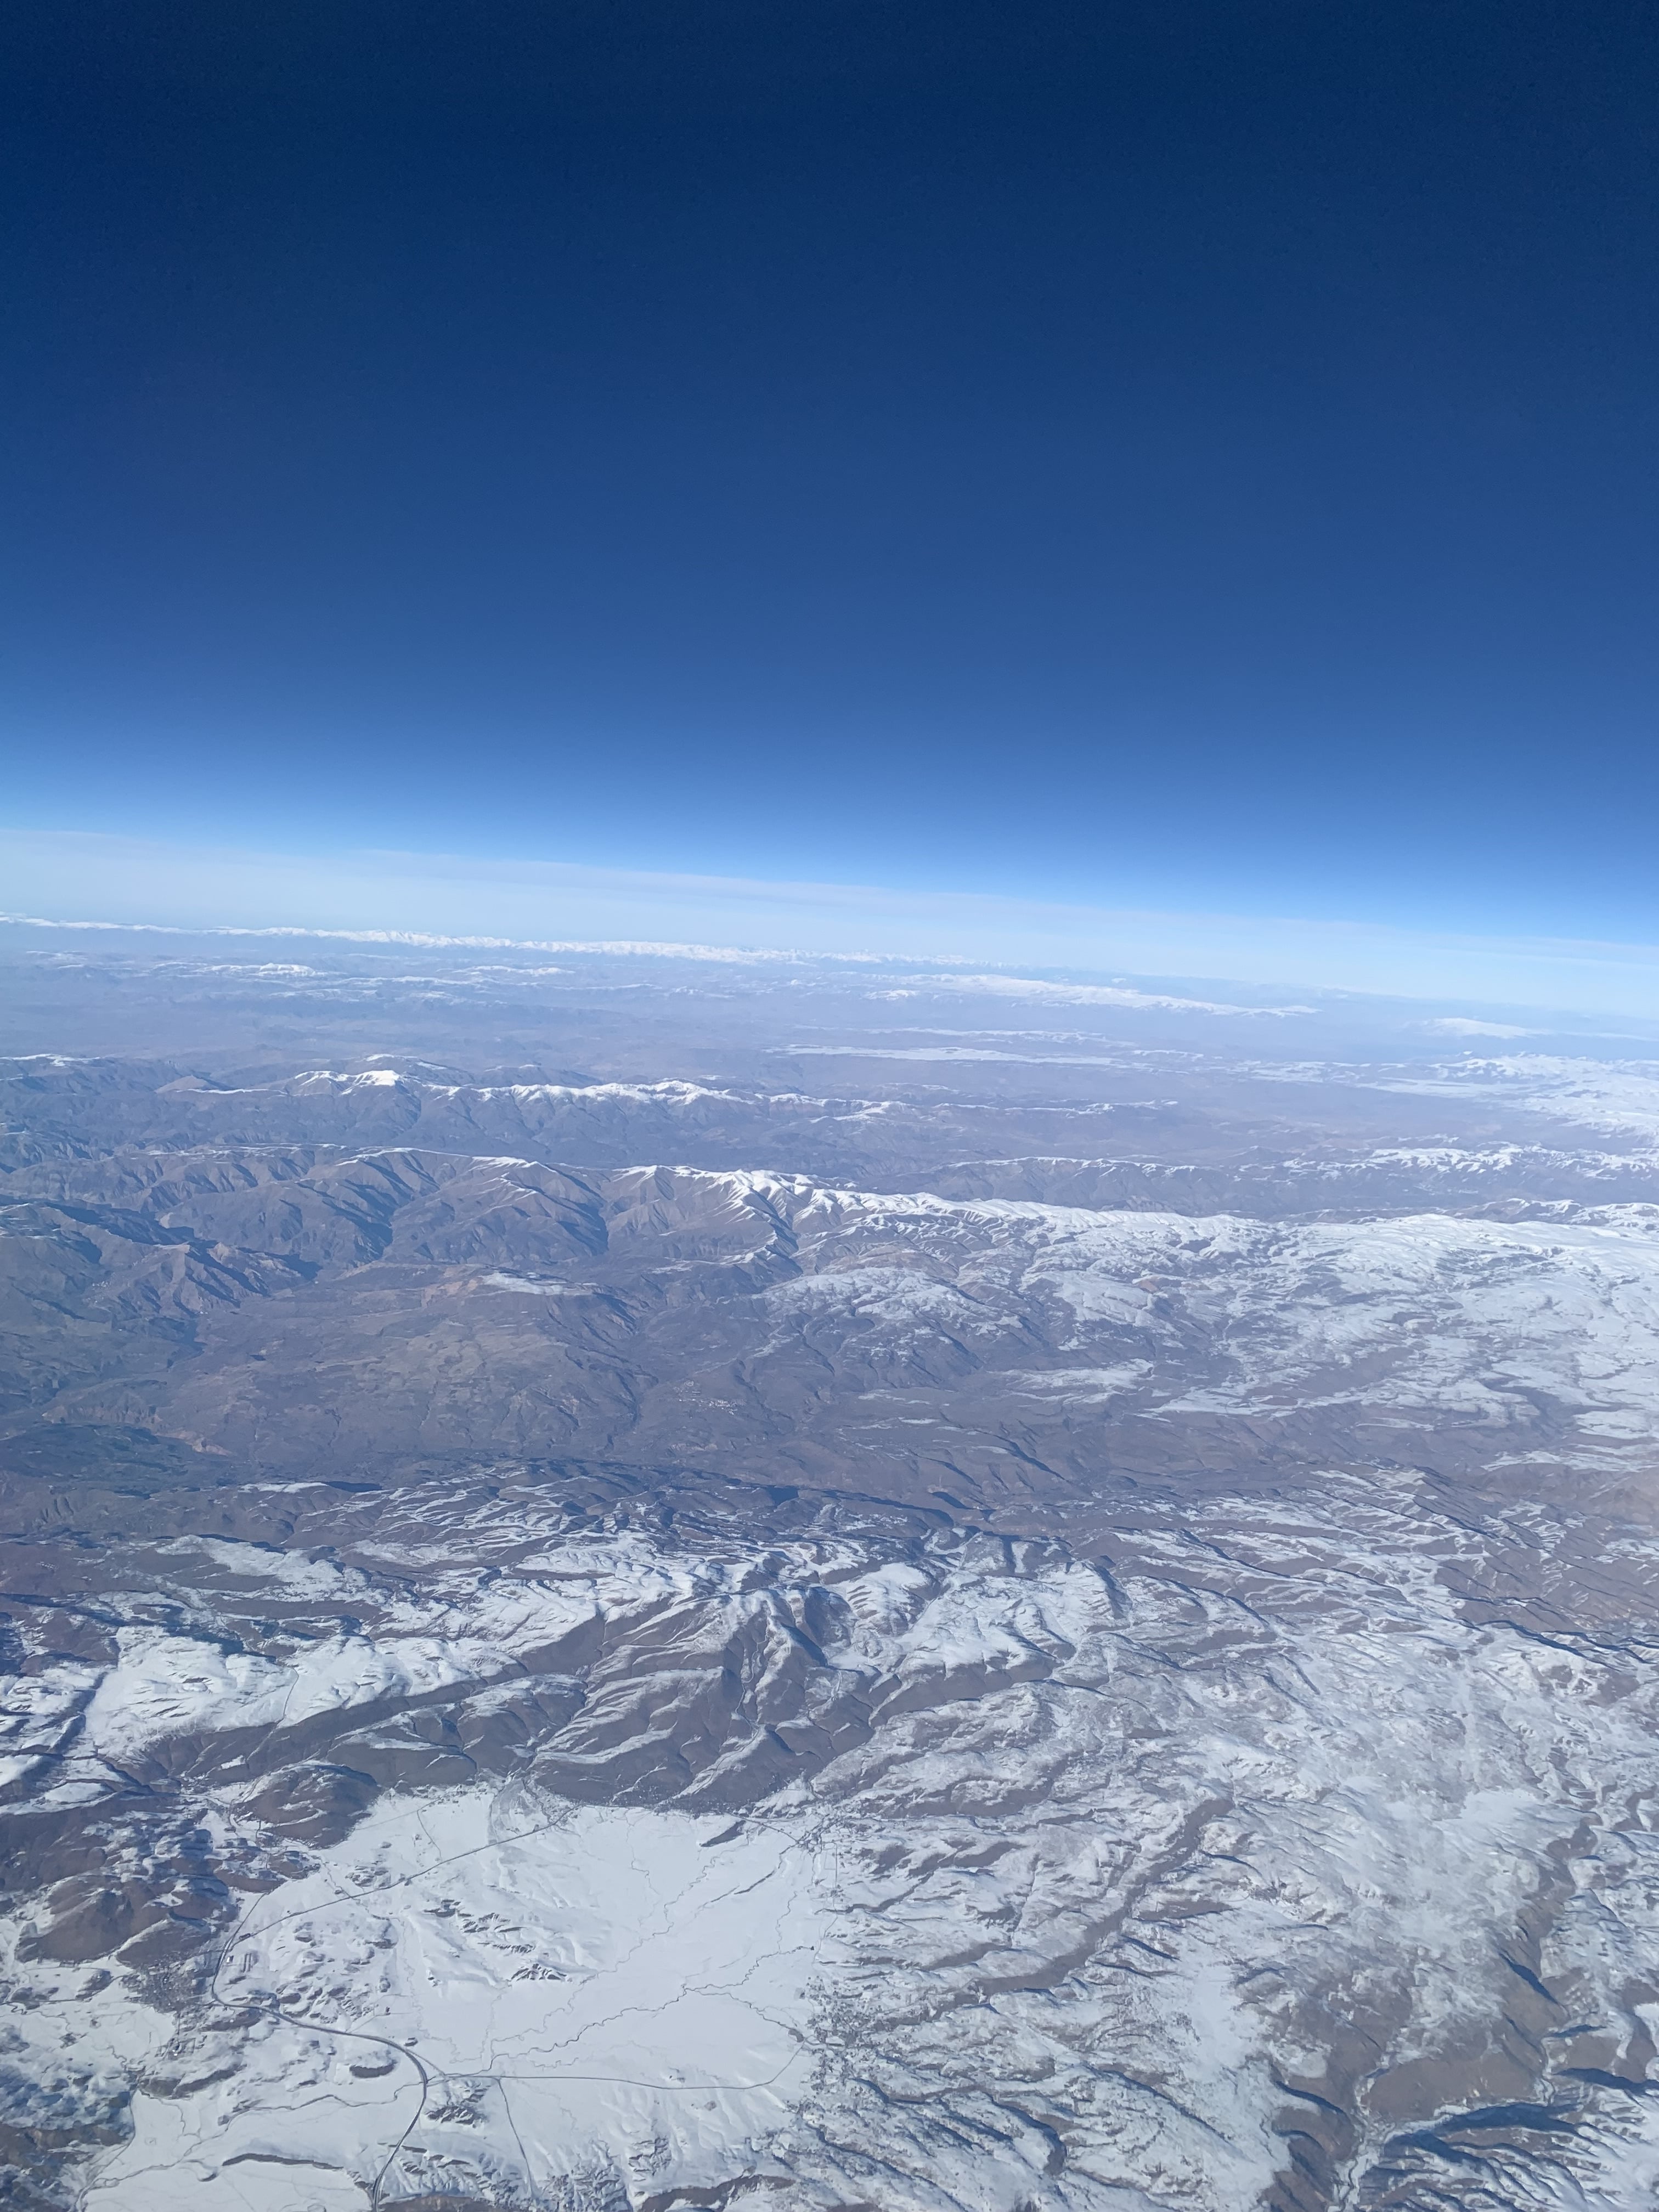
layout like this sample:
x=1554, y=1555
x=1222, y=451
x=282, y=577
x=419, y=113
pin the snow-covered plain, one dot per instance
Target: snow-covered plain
x=486, y=1985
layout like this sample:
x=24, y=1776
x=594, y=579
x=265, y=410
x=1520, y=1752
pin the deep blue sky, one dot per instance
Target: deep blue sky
x=1202, y=453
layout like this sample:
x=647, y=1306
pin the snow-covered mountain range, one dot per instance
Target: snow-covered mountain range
x=591, y=1623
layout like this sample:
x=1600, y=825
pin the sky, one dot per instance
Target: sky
x=1185, y=456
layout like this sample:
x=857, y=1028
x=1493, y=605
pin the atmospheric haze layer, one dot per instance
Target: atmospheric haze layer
x=638, y=1581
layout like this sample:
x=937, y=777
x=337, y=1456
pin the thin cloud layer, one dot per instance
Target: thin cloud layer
x=91, y=880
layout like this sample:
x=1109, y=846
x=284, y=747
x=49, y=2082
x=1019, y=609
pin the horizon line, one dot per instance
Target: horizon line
x=60, y=879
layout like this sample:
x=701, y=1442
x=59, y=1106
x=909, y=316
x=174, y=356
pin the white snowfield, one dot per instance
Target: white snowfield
x=531, y=1989
x=1408, y=1315
x=1427, y=1310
